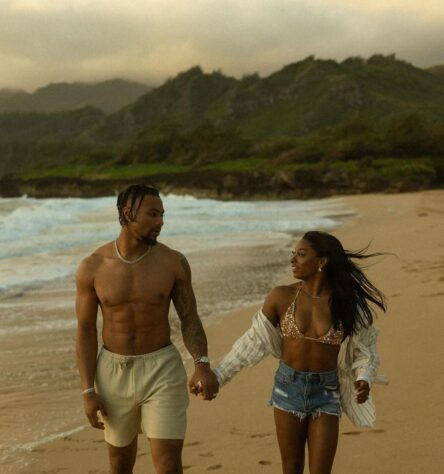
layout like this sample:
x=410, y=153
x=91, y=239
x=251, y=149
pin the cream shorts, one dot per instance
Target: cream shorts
x=146, y=391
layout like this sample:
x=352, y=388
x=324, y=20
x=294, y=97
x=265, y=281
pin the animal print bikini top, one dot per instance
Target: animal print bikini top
x=290, y=329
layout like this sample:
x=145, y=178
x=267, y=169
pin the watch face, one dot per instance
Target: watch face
x=203, y=360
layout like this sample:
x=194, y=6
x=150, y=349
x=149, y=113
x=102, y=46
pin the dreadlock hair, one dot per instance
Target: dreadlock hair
x=351, y=289
x=129, y=196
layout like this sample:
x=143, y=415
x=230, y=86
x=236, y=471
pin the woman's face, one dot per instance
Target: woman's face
x=305, y=262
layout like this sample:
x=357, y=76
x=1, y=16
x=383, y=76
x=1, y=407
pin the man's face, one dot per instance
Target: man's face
x=148, y=219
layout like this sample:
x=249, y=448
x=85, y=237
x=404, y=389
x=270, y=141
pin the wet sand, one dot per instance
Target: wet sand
x=39, y=383
x=235, y=433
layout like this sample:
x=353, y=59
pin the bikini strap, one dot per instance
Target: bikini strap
x=297, y=293
x=293, y=304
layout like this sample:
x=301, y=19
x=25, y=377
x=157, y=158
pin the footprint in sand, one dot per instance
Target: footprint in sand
x=67, y=438
x=427, y=269
x=260, y=435
x=186, y=467
x=206, y=455
x=214, y=467
x=193, y=443
x=362, y=432
x=264, y=463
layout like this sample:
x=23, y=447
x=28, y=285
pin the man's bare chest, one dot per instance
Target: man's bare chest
x=119, y=284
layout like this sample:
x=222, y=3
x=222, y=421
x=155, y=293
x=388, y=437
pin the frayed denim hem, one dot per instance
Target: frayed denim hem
x=302, y=415
x=318, y=413
x=299, y=414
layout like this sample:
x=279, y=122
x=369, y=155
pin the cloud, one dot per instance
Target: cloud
x=56, y=40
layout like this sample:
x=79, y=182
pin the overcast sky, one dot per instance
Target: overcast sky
x=44, y=41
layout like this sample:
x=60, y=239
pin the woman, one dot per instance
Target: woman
x=321, y=328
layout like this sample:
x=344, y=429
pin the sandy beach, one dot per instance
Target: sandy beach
x=235, y=433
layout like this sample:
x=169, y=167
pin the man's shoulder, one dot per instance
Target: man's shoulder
x=170, y=253
x=174, y=261
x=95, y=259
x=106, y=250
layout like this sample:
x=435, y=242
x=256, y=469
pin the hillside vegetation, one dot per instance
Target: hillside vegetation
x=108, y=96
x=315, y=125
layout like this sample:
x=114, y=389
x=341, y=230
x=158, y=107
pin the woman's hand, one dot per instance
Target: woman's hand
x=204, y=381
x=362, y=391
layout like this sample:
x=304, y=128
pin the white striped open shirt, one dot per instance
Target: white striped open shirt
x=357, y=360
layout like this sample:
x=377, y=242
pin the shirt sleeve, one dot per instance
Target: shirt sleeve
x=365, y=355
x=247, y=351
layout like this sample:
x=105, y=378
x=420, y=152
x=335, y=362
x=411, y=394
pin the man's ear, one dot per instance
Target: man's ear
x=128, y=214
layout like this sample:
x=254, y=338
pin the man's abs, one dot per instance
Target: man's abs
x=135, y=301
x=128, y=332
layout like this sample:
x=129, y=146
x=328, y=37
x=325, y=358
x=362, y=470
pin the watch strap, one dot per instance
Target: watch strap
x=202, y=360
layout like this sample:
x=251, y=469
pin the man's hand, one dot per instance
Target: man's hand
x=362, y=391
x=93, y=404
x=204, y=381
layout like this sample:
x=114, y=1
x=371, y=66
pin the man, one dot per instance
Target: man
x=138, y=379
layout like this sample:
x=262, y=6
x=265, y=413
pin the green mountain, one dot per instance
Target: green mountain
x=43, y=140
x=7, y=93
x=362, y=124
x=186, y=100
x=437, y=70
x=295, y=101
x=108, y=96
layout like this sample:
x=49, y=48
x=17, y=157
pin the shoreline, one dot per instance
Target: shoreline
x=224, y=186
x=235, y=433
x=40, y=381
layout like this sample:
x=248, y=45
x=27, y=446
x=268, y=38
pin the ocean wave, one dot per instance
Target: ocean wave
x=43, y=240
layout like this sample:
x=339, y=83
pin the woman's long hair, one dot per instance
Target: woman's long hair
x=351, y=289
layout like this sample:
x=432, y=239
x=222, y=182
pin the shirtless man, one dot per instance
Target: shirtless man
x=138, y=380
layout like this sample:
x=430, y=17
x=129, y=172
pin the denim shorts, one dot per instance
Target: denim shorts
x=306, y=393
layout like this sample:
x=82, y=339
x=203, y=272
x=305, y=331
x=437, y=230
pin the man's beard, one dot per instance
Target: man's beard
x=149, y=240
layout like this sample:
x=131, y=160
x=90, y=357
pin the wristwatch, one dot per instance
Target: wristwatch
x=202, y=360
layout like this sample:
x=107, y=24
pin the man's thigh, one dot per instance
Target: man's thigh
x=122, y=459
x=163, y=412
x=167, y=455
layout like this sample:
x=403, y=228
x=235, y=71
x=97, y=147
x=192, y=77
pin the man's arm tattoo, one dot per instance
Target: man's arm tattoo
x=184, y=301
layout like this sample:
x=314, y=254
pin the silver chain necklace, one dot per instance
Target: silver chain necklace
x=313, y=297
x=131, y=261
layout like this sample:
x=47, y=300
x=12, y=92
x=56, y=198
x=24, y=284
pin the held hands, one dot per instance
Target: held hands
x=204, y=381
x=93, y=404
x=362, y=391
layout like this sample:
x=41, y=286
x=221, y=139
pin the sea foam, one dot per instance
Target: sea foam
x=43, y=240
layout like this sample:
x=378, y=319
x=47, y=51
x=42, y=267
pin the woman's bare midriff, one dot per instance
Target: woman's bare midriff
x=309, y=356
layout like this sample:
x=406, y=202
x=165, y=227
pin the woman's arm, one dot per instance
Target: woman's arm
x=365, y=355
x=271, y=303
x=260, y=340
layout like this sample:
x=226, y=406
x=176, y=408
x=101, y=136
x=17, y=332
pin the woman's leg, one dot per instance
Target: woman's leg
x=322, y=442
x=291, y=433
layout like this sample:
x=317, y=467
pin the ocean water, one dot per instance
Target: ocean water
x=41, y=240
x=237, y=251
